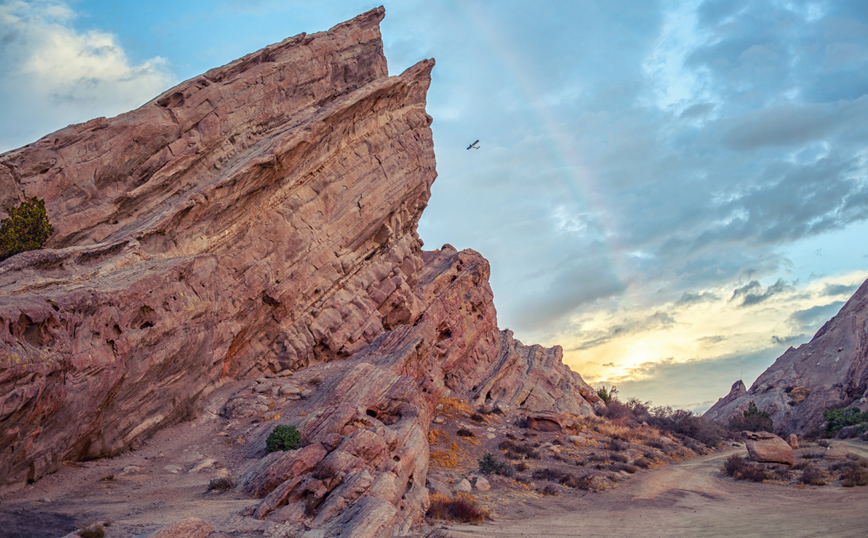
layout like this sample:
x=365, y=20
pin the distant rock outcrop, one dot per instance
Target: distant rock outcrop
x=258, y=218
x=829, y=371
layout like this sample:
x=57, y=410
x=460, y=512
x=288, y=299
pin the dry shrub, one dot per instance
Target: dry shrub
x=464, y=433
x=462, y=508
x=740, y=469
x=621, y=458
x=437, y=436
x=610, y=429
x=93, y=530
x=813, y=477
x=854, y=475
x=549, y=490
x=476, y=417
x=221, y=483
x=642, y=462
x=453, y=406
x=518, y=451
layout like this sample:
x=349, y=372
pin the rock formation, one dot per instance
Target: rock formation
x=829, y=371
x=258, y=218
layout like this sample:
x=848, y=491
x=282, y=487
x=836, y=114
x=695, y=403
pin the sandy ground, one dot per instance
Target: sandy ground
x=167, y=480
x=690, y=498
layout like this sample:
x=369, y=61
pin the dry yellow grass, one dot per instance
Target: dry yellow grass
x=453, y=407
x=437, y=436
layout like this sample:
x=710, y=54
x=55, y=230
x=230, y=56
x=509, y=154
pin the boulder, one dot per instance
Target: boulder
x=481, y=483
x=794, y=441
x=836, y=451
x=768, y=447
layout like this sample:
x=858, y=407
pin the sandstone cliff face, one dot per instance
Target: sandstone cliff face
x=829, y=371
x=260, y=217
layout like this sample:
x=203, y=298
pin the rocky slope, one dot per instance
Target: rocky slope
x=829, y=371
x=259, y=218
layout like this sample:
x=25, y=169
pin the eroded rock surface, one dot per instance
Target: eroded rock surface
x=829, y=371
x=258, y=218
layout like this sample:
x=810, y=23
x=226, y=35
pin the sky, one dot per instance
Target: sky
x=673, y=191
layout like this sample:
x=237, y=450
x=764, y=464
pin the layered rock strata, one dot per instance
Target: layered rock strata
x=261, y=217
x=829, y=371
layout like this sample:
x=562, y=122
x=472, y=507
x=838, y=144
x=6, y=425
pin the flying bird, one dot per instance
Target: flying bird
x=474, y=145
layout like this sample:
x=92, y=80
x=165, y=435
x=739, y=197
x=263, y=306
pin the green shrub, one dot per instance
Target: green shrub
x=607, y=395
x=490, y=465
x=841, y=418
x=283, y=438
x=753, y=420
x=26, y=228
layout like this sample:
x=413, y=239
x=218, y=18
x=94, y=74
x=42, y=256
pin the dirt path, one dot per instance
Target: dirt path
x=691, y=498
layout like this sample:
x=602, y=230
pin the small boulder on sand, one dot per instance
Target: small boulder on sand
x=768, y=447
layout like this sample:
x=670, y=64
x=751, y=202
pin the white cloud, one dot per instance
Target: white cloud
x=56, y=75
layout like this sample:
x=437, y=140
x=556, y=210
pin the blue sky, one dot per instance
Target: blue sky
x=675, y=192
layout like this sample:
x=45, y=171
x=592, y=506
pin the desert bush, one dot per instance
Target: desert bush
x=521, y=467
x=462, y=509
x=642, y=462
x=221, y=483
x=607, y=395
x=26, y=228
x=463, y=432
x=841, y=418
x=94, y=530
x=521, y=422
x=854, y=475
x=740, y=469
x=752, y=420
x=813, y=476
x=620, y=458
x=682, y=422
x=283, y=437
x=476, y=417
x=518, y=451
x=549, y=490
x=489, y=465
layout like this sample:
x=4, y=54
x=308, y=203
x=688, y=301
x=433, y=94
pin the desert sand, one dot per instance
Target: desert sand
x=690, y=498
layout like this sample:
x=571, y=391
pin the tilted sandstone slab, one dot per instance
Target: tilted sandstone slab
x=261, y=217
x=369, y=422
x=829, y=371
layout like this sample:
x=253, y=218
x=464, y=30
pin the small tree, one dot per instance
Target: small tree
x=607, y=395
x=283, y=438
x=26, y=228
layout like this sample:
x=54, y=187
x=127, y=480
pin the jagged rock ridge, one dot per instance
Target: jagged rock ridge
x=829, y=371
x=260, y=217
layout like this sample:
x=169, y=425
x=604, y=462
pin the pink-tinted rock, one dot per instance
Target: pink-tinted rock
x=188, y=528
x=768, y=447
x=836, y=451
x=243, y=221
x=794, y=441
x=829, y=371
x=259, y=218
